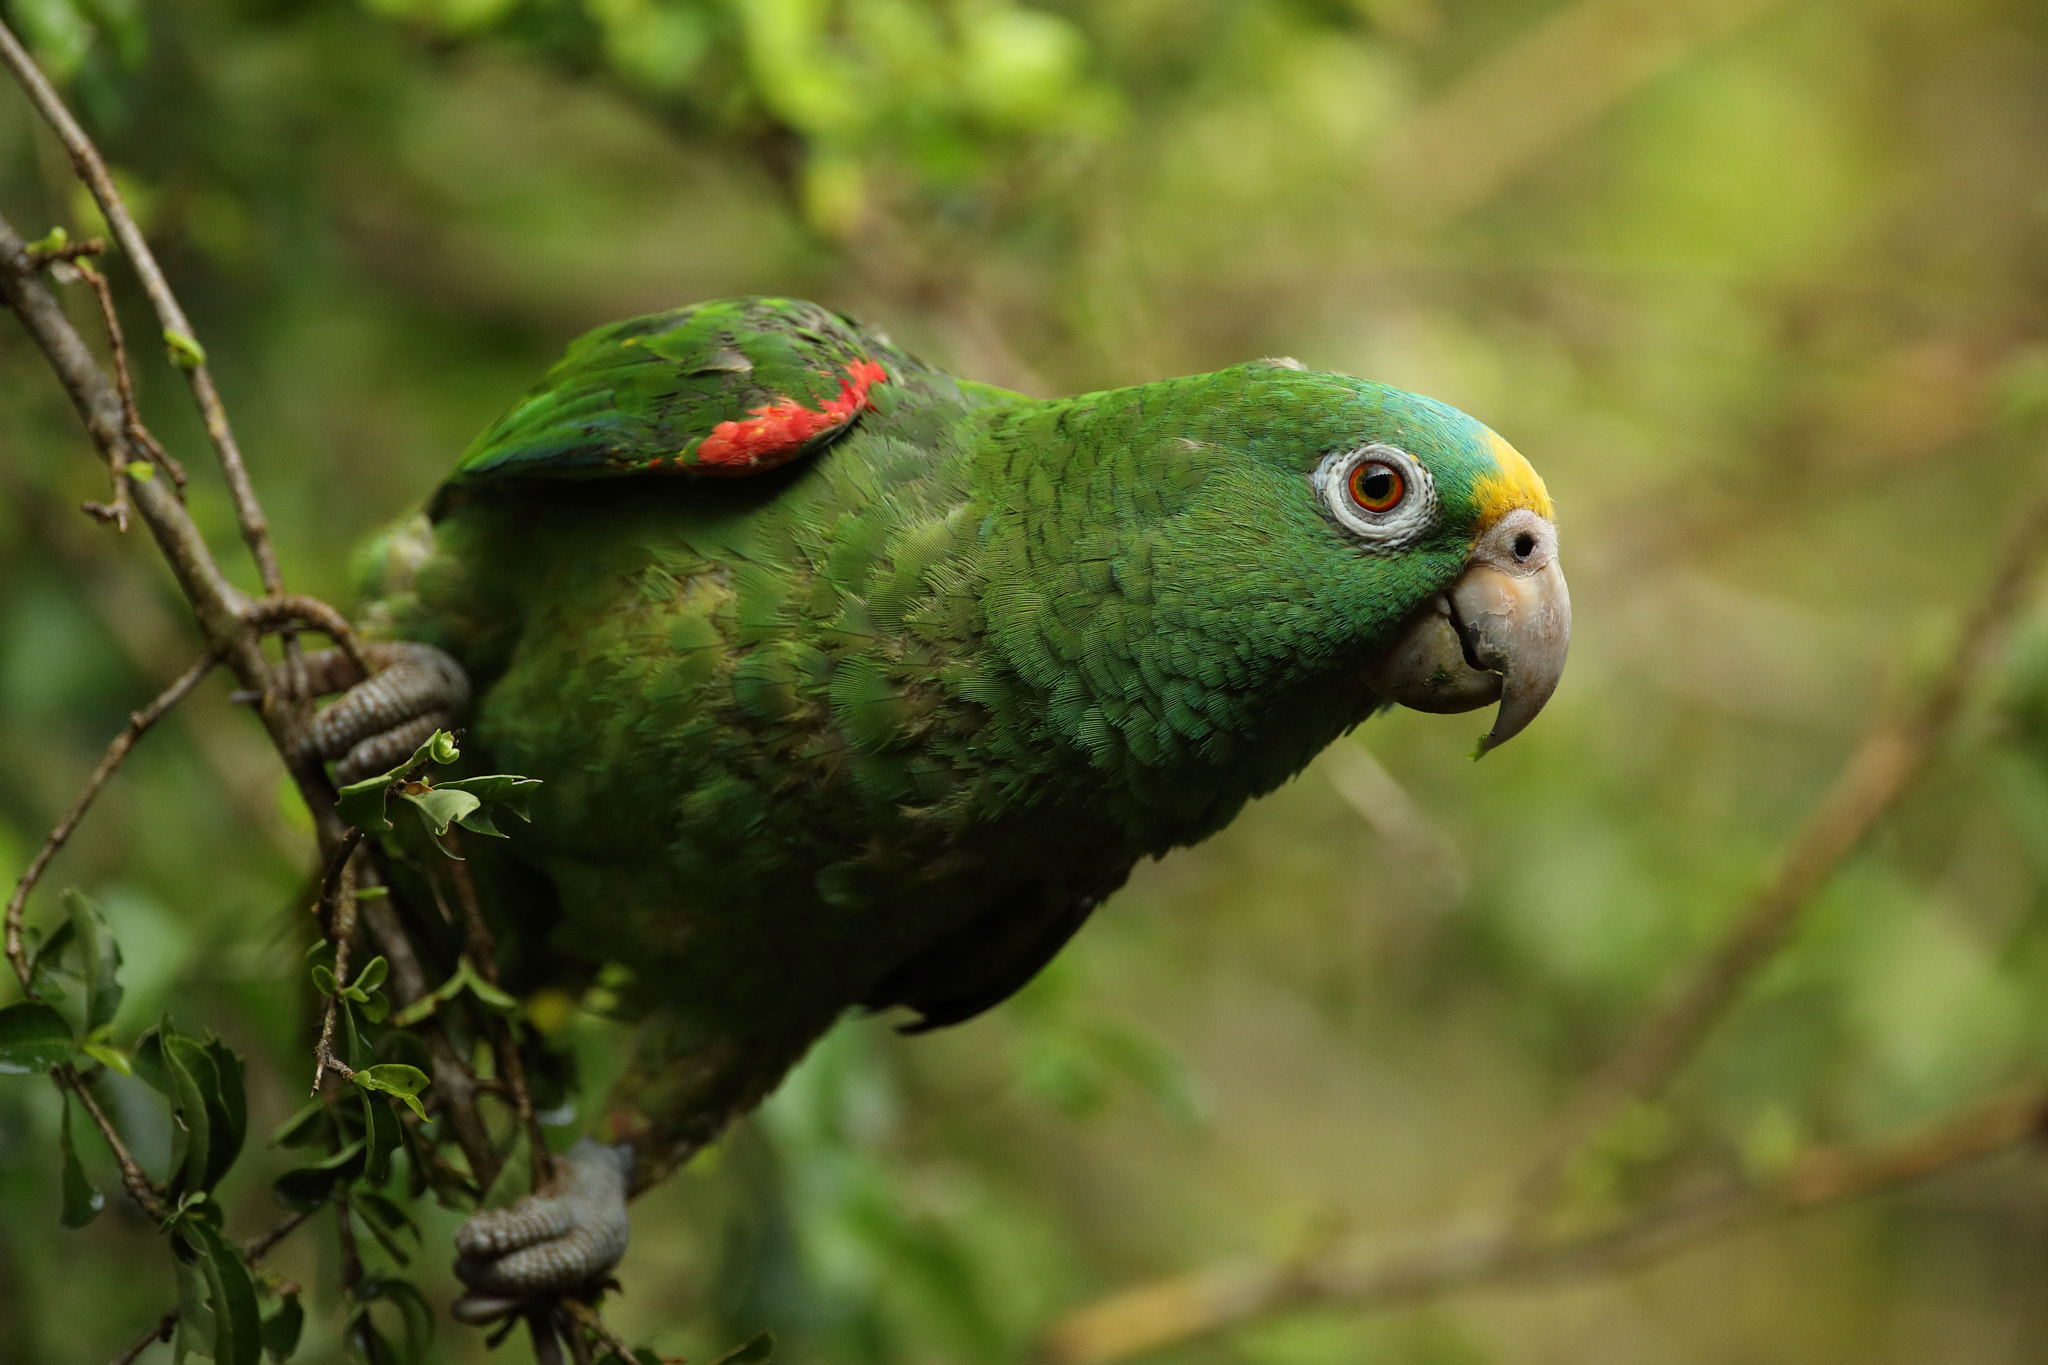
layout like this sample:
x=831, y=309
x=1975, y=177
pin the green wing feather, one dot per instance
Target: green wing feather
x=732, y=387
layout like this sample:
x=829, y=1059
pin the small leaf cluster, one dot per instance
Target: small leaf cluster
x=471, y=802
x=200, y=1078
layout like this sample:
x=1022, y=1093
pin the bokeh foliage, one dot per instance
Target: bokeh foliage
x=1764, y=296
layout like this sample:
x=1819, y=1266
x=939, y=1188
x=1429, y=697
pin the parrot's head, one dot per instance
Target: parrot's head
x=1266, y=553
x=1435, y=513
x=1412, y=548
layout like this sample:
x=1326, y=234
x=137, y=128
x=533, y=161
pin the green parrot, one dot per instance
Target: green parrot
x=854, y=684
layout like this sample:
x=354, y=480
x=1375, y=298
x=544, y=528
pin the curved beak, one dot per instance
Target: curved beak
x=1499, y=633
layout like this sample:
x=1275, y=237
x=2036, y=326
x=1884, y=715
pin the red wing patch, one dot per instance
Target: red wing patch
x=777, y=432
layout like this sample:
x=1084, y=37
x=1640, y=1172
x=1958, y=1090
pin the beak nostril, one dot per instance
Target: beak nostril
x=1525, y=545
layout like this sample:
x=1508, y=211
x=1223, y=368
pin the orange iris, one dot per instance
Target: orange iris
x=1377, y=487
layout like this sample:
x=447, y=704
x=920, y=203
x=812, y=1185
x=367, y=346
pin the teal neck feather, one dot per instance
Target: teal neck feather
x=1139, y=586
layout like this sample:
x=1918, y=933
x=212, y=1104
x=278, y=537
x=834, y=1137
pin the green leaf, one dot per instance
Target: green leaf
x=358, y=1050
x=414, y=1311
x=33, y=1038
x=503, y=789
x=45, y=965
x=186, y=353
x=479, y=821
x=302, y=1128
x=463, y=978
x=381, y=1131
x=108, y=1056
x=281, y=1329
x=363, y=1342
x=440, y=807
x=231, y=1115
x=395, y=1078
x=210, y=1109
x=191, y=1136
x=323, y=979
x=370, y=977
x=149, y=1063
x=363, y=990
x=230, y=1294
x=195, y=1313
x=362, y=803
x=386, y=1221
x=752, y=1351
x=100, y=958
x=485, y=992
x=82, y=1199
x=305, y=1188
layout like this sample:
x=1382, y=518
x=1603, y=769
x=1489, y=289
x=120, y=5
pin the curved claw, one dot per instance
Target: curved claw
x=550, y=1242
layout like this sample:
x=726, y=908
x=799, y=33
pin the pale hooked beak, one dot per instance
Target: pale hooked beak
x=1498, y=634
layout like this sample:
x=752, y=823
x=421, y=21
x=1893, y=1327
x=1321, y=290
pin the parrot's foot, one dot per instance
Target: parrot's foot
x=415, y=690
x=547, y=1243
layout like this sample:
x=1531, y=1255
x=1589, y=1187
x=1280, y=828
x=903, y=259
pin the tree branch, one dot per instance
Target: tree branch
x=223, y=612
x=1883, y=767
x=1174, y=1312
x=178, y=334
x=231, y=623
x=138, y=723
x=256, y=1248
x=160, y=1331
x=337, y=912
x=140, y=1187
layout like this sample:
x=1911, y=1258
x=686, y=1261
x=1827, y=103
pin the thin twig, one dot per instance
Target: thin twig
x=219, y=608
x=256, y=1248
x=177, y=329
x=160, y=1331
x=67, y=253
x=482, y=951
x=579, y=1349
x=454, y=1084
x=231, y=623
x=286, y=610
x=138, y=723
x=337, y=911
x=1174, y=1312
x=140, y=1187
x=124, y=384
x=351, y=1258
x=587, y=1316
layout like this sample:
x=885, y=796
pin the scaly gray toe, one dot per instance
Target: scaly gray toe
x=416, y=690
x=550, y=1242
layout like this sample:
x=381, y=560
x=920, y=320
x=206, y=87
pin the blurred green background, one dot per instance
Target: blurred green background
x=1761, y=288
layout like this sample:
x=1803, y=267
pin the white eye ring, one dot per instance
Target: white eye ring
x=1395, y=528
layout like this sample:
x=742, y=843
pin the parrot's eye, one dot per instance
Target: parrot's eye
x=1382, y=496
x=1377, y=486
